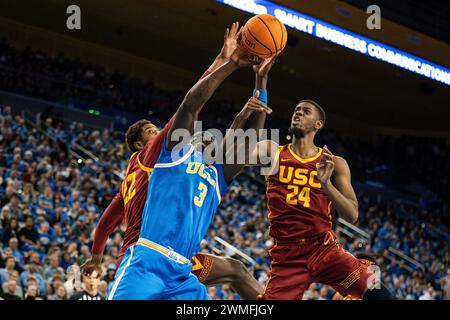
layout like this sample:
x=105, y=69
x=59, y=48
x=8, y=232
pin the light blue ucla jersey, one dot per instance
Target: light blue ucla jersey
x=183, y=195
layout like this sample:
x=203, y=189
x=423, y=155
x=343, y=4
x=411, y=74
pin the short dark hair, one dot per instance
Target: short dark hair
x=322, y=113
x=134, y=134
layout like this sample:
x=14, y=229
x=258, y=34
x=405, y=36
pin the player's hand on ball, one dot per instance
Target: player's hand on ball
x=262, y=69
x=230, y=41
x=325, y=167
x=243, y=58
x=254, y=105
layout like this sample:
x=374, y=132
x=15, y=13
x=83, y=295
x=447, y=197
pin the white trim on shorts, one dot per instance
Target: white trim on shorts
x=116, y=284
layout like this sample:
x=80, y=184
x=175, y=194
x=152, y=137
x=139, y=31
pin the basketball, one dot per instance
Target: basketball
x=264, y=35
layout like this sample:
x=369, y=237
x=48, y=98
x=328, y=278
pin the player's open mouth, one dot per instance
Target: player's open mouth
x=296, y=120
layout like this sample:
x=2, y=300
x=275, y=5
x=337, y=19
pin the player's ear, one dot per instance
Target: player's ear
x=138, y=145
x=319, y=124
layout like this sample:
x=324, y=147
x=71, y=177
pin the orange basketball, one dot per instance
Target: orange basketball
x=264, y=35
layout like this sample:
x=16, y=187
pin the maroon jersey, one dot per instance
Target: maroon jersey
x=297, y=205
x=129, y=203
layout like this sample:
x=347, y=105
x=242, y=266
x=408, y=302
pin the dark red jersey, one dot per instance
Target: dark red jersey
x=129, y=203
x=135, y=185
x=297, y=205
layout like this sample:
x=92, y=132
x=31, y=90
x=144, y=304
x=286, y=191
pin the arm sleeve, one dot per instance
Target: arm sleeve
x=110, y=220
x=152, y=149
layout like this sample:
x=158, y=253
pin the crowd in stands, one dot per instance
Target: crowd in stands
x=60, y=79
x=50, y=203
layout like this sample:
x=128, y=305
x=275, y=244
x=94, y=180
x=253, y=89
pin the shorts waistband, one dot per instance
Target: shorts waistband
x=163, y=250
x=325, y=237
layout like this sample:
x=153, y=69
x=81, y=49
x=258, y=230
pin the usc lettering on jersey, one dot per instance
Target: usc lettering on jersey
x=297, y=204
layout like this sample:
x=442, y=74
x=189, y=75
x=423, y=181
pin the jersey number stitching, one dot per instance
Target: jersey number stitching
x=198, y=200
x=303, y=196
x=128, y=191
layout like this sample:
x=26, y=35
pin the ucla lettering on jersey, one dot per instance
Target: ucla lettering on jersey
x=183, y=195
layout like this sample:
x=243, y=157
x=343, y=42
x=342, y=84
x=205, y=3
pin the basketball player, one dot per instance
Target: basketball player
x=305, y=183
x=183, y=194
x=144, y=140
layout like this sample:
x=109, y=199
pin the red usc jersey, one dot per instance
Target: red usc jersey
x=297, y=205
x=134, y=186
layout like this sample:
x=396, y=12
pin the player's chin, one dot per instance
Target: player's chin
x=296, y=130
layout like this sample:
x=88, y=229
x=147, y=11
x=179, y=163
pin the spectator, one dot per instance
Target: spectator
x=60, y=293
x=28, y=236
x=10, y=294
x=32, y=293
x=14, y=275
x=110, y=273
x=53, y=267
x=14, y=245
x=10, y=266
x=80, y=227
x=11, y=231
x=30, y=275
x=46, y=234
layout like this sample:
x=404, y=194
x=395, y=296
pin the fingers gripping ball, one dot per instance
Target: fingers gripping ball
x=264, y=35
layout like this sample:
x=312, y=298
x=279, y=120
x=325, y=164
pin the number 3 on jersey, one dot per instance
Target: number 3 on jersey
x=128, y=187
x=198, y=200
x=295, y=197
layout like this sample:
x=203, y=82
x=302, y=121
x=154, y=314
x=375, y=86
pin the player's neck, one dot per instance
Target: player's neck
x=304, y=146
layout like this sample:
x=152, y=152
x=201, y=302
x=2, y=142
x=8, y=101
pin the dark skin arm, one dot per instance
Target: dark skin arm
x=252, y=116
x=253, y=107
x=201, y=92
x=334, y=175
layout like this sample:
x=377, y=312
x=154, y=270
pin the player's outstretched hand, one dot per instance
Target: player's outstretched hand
x=262, y=69
x=325, y=167
x=254, y=105
x=230, y=40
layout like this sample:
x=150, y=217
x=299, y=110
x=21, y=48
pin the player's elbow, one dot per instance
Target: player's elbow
x=353, y=219
x=353, y=214
x=190, y=102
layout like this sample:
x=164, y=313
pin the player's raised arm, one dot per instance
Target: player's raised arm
x=110, y=220
x=334, y=175
x=234, y=164
x=201, y=92
x=252, y=116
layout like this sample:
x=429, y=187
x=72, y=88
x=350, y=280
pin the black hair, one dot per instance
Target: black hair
x=322, y=113
x=134, y=134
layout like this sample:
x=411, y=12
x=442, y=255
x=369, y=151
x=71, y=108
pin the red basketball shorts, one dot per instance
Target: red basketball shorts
x=295, y=265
